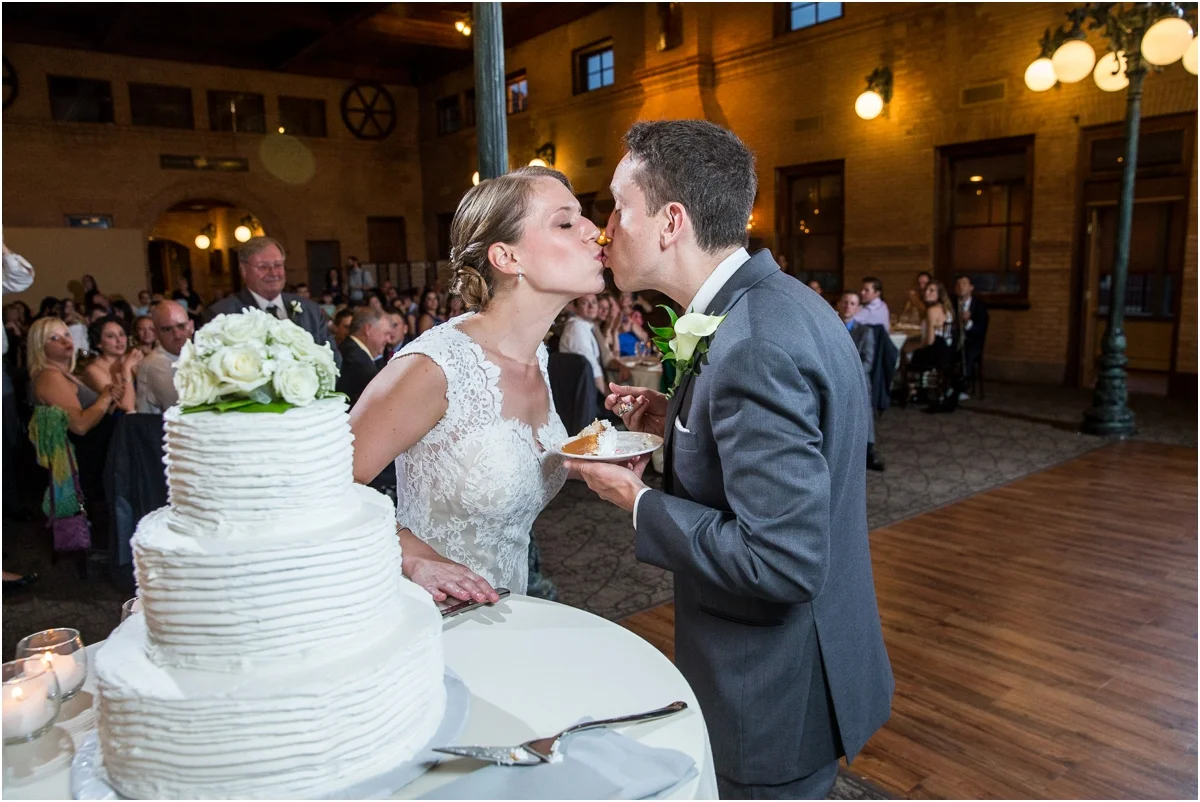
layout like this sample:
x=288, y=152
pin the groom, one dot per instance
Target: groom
x=763, y=516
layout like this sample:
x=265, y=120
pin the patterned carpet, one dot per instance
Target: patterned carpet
x=587, y=545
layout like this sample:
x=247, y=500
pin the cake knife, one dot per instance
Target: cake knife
x=464, y=605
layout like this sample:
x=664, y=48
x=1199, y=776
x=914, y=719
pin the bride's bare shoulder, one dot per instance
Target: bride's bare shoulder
x=413, y=373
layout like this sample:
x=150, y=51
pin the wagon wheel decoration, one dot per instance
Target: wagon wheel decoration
x=369, y=110
x=10, y=83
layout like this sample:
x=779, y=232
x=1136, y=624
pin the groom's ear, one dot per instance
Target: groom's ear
x=675, y=223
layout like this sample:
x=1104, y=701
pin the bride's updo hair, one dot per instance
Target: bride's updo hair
x=494, y=211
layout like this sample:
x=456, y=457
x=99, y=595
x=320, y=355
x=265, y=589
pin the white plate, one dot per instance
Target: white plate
x=630, y=445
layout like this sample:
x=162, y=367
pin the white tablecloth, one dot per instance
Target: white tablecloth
x=533, y=668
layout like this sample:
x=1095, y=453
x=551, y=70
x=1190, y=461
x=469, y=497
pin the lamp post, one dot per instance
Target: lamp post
x=491, y=111
x=1142, y=37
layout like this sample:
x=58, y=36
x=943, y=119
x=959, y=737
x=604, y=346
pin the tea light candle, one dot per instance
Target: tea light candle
x=28, y=708
x=70, y=672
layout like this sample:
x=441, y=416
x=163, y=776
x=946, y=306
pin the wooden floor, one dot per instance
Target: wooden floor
x=1043, y=636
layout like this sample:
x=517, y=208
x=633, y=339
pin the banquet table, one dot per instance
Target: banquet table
x=533, y=667
x=644, y=372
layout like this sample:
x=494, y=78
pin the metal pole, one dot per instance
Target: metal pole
x=1109, y=413
x=491, y=111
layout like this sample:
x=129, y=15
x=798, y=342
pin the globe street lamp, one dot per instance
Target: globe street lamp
x=1142, y=37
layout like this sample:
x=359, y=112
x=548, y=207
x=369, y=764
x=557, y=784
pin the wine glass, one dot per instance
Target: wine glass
x=30, y=698
x=62, y=650
x=131, y=607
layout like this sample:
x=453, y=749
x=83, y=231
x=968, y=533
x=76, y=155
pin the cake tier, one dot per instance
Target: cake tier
x=242, y=468
x=300, y=731
x=272, y=594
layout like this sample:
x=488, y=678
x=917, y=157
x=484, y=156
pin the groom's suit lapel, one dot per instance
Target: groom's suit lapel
x=760, y=266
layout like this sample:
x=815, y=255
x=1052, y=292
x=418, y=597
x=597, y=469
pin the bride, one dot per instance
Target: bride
x=465, y=409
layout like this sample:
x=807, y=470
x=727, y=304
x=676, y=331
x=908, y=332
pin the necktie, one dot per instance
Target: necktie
x=273, y=310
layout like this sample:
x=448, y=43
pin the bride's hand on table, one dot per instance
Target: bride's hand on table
x=439, y=576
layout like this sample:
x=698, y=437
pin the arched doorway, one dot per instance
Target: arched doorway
x=197, y=240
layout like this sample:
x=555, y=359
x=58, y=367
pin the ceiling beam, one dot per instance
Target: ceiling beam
x=332, y=34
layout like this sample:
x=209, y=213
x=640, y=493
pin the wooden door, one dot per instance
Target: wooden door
x=323, y=254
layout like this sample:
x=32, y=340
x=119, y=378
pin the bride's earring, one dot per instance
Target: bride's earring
x=520, y=276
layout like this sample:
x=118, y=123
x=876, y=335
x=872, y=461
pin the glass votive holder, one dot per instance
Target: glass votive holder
x=30, y=699
x=130, y=607
x=62, y=650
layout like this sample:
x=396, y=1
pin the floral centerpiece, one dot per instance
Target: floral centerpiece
x=253, y=362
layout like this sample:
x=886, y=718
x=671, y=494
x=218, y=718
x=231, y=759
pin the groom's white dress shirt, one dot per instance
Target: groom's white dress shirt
x=704, y=296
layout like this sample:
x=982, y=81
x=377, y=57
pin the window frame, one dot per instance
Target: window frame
x=51, y=78
x=510, y=80
x=579, y=58
x=783, y=211
x=279, y=103
x=783, y=19
x=445, y=103
x=944, y=207
x=211, y=98
x=135, y=86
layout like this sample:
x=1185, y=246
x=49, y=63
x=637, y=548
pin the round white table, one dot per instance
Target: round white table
x=533, y=668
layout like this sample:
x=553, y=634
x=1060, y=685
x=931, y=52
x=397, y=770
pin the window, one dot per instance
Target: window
x=517, y=90
x=89, y=221
x=810, y=223
x=469, y=108
x=594, y=67
x=984, y=216
x=449, y=115
x=240, y=112
x=161, y=106
x=806, y=15
x=80, y=100
x=302, y=116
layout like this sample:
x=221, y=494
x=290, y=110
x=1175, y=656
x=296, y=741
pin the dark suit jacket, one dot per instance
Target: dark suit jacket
x=764, y=524
x=974, y=336
x=878, y=355
x=357, y=370
x=310, y=317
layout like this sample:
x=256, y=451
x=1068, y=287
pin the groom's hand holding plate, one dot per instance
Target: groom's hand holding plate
x=640, y=408
x=617, y=483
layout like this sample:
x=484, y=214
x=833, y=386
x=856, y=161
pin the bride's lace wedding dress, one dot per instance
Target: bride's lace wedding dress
x=473, y=486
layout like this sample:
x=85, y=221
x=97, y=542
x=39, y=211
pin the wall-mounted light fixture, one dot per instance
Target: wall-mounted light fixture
x=245, y=230
x=750, y=223
x=463, y=26
x=475, y=178
x=205, y=237
x=878, y=94
x=544, y=156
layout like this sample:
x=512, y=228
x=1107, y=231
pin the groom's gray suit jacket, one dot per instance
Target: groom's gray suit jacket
x=764, y=524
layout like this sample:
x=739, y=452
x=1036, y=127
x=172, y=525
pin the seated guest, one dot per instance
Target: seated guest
x=144, y=335
x=123, y=312
x=632, y=329
x=973, y=317
x=188, y=298
x=937, y=334
x=115, y=362
x=455, y=307
x=579, y=337
x=815, y=286
x=51, y=355
x=50, y=307
x=923, y=279
x=264, y=274
x=430, y=315
x=914, y=306
x=90, y=291
x=867, y=343
x=98, y=313
x=341, y=325
x=328, y=307
x=143, y=307
x=874, y=311
x=156, y=377
x=69, y=313
x=333, y=285
x=302, y=290
x=369, y=333
x=398, y=338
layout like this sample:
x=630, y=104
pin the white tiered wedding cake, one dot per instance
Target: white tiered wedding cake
x=280, y=652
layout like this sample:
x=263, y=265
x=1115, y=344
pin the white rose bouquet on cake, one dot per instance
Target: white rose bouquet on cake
x=253, y=362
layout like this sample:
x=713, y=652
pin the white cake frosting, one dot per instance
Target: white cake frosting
x=278, y=655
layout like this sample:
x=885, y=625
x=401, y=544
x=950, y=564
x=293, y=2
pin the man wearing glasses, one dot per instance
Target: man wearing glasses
x=264, y=276
x=156, y=376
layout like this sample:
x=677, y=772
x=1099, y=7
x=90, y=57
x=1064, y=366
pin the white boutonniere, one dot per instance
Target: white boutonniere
x=685, y=342
x=297, y=308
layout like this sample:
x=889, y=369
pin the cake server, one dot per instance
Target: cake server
x=541, y=750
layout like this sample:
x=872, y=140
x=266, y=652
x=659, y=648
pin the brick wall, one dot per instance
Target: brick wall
x=732, y=69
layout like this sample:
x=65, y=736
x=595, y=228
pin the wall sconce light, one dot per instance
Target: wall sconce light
x=245, y=231
x=475, y=178
x=205, y=237
x=750, y=223
x=463, y=26
x=870, y=103
x=544, y=156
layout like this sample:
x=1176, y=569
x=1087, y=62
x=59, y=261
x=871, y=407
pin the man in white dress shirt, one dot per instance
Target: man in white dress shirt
x=18, y=277
x=156, y=377
x=579, y=337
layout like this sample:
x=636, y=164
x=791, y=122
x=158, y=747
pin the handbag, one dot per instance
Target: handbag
x=74, y=532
